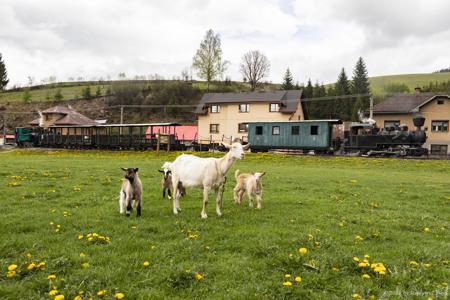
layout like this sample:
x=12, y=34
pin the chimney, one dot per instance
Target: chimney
x=418, y=90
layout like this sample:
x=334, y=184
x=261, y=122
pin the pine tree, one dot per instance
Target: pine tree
x=309, y=90
x=98, y=93
x=58, y=95
x=3, y=75
x=342, y=88
x=360, y=86
x=288, y=82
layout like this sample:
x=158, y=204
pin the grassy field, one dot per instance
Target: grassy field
x=396, y=212
x=378, y=84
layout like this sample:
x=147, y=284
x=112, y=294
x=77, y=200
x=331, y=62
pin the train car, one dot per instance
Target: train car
x=301, y=135
x=110, y=136
x=27, y=136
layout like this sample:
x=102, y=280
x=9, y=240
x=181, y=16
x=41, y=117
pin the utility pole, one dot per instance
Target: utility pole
x=121, y=114
x=4, y=129
x=371, y=107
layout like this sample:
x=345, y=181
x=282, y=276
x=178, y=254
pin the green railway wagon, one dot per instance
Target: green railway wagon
x=301, y=135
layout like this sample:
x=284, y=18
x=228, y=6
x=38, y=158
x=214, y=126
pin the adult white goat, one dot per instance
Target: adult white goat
x=207, y=173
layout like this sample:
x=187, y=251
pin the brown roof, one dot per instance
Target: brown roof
x=288, y=99
x=70, y=117
x=405, y=103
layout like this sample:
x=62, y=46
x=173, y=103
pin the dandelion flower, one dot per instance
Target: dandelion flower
x=80, y=237
x=298, y=279
x=85, y=265
x=50, y=277
x=53, y=293
x=29, y=255
x=12, y=267
x=119, y=295
x=287, y=284
x=358, y=238
x=146, y=264
x=414, y=263
x=78, y=297
x=365, y=276
x=303, y=251
x=198, y=276
x=59, y=297
x=334, y=269
x=11, y=274
x=31, y=266
x=426, y=229
x=356, y=296
x=356, y=259
x=101, y=293
x=82, y=254
x=427, y=265
x=287, y=276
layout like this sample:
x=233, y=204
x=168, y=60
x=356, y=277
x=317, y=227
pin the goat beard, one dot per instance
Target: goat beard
x=130, y=179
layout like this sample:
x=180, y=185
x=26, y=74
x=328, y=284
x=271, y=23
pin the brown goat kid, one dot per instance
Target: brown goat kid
x=131, y=190
x=252, y=183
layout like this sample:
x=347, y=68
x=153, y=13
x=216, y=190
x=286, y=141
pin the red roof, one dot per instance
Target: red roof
x=185, y=132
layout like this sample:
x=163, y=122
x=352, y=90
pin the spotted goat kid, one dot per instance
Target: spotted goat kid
x=252, y=183
x=131, y=190
x=166, y=182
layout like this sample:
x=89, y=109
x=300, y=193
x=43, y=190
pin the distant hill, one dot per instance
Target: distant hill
x=378, y=84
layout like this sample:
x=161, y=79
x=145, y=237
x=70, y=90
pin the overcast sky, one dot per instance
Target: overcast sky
x=315, y=38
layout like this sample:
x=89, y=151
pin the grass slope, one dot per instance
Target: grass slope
x=321, y=204
x=378, y=83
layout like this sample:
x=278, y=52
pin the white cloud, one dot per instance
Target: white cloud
x=314, y=38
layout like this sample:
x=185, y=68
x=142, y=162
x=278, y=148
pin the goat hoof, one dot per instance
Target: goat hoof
x=204, y=216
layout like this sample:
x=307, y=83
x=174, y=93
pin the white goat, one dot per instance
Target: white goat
x=252, y=183
x=131, y=190
x=207, y=173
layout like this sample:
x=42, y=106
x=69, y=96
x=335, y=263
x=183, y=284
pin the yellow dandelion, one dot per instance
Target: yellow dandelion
x=146, y=264
x=50, y=277
x=11, y=274
x=198, y=276
x=366, y=256
x=298, y=279
x=53, y=293
x=31, y=266
x=78, y=297
x=427, y=265
x=365, y=276
x=59, y=297
x=119, y=295
x=334, y=269
x=101, y=293
x=82, y=254
x=426, y=229
x=356, y=296
x=414, y=263
x=41, y=265
x=80, y=237
x=302, y=251
x=90, y=238
x=359, y=238
x=287, y=276
x=287, y=284
x=12, y=267
x=51, y=223
x=85, y=265
x=356, y=259
x=29, y=255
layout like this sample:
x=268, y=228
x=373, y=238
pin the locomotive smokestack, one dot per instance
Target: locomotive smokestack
x=418, y=90
x=418, y=122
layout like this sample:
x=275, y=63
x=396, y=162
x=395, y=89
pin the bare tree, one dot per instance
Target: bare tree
x=208, y=59
x=254, y=67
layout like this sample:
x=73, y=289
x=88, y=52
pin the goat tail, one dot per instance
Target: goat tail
x=237, y=173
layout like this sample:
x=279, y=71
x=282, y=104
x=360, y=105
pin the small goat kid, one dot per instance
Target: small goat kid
x=252, y=183
x=131, y=190
x=207, y=173
x=166, y=182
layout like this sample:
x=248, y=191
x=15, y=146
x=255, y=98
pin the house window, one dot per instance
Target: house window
x=314, y=130
x=440, y=102
x=439, y=126
x=213, y=128
x=439, y=149
x=295, y=130
x=274, y=107
x=258, y=130
x=215, y=108
x=275, y=130
x=243, y=127
x=243, y=108
x=391, y=123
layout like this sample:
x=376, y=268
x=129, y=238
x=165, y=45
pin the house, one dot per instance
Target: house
x=435, y=108
x=61, y=116
x=225, y=116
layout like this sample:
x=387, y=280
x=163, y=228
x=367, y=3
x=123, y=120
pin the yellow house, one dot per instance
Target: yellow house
x=225, y=116
x=435, y=108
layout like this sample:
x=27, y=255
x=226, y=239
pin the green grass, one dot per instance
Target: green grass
x=318, y=203
x=379, y=83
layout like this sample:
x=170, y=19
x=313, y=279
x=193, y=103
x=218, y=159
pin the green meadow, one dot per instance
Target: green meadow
x=367, y=229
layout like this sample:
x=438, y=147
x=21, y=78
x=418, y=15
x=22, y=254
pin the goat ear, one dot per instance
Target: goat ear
x=160, y=171
x=262, y=174
x=135, y=170
x=124, y=169
x=246, y=147
x=226, y=146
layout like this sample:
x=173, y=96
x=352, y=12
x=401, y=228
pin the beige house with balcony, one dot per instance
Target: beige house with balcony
x=225, y=116
x=435, y=108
